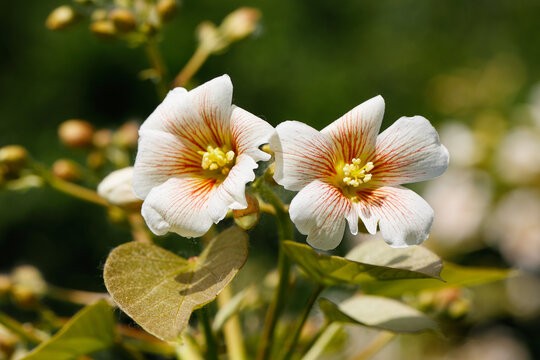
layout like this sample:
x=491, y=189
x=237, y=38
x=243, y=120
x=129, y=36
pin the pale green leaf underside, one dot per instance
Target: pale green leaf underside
x=90, y=330
x=378, y=312
x=454, y=275
x=160, y=290
x=370, y=261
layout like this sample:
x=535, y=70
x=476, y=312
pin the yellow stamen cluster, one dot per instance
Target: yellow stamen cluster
x=354, y=174
x=217, y=158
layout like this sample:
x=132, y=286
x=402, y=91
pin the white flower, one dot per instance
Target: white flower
x=196, y=154
x=117, y=187
x=348, y=172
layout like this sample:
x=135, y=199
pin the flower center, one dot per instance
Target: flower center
x=354, y=174
x=217, y=158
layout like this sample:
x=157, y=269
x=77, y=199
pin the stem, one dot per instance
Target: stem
x=188, y=349
x=76, y=296
x=232, y=330
x=380, y=341
x=156, y=61
x=211, y=353
x=286, y=232
x=317, y=336
x=291, y=344
x=322, y=342
x=192, y=66
x=139, y=231
x=18, y=329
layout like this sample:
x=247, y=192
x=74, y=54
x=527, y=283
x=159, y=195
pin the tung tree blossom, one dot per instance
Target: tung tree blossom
x=347, y=172
x=196, y=154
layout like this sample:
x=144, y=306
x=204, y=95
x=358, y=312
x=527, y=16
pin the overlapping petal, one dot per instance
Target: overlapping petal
x=248, y=133
x=319, y=211
x=404, y=217
x=179, y=205
x=302, y=155
x=161, y=156
x=355, y=133
x=231, y=194
x=409, y=151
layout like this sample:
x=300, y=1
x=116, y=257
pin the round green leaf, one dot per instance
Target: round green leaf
x=160, y=290
x=368, y=262
x=378, y=312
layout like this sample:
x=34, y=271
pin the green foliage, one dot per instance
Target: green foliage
x=230, y=308
x=368, y=262
x=90, y=330
x=453, y=275
x=378, y=312
x=160, y=290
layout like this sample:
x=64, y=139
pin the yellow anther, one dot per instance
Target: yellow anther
x=217, y=158
x=354, y=174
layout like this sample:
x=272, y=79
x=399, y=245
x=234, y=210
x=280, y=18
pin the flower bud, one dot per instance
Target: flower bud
x=102, y=138
x=76, y=133
x=117, y=188
x=61, y=18
x=28, y=286
x=98, y=15
x=269, y=174
x=247, y=218
x=127, y=135
x=167, y=9
x=123, y=19
x=24, y=297
x=103, y=29
x=66, y=170
x=240, y=23
x=5, y=284
x=12, y=159
x=209, y=37
x=95, y=160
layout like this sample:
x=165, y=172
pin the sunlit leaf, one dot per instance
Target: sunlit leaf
x=368, y=262
x=160, y=290
x=90, y=330
x=378, y=312
x=454, y=275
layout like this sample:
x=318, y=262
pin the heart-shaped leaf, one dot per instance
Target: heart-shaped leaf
x=368, y=262
x=90, y=330
x=160, y=290
x=378, y=312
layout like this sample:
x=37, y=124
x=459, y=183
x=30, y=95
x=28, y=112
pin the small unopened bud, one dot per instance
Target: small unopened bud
x=117, y=188
x=30, y=277
x=5, y=284
x=123, y=19
x=103, y=29
x=167, y=9
x=102, y=138
x=61, y=18
x=269, y=174
x=209, y=37
x=127, y=135
x=66, y=170
x=12, y=159
x=76, y=133
x=247, y=218
x=240, y=23
x=98, y=15
x=24, y=296
x=458, y=308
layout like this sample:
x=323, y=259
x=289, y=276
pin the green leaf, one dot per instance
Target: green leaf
x=160, y=290
x=378, y=312
x=370, y=261
x=90, y=330
x=453, y=274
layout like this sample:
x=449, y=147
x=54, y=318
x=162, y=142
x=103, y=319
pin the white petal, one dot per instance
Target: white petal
x=409, y=151
x=199, y=118
x=356, y=131
x=231, y=194
x=160, y=156
x=302, y=155
x=180, y=206
x=249, y=132
x=319, y=211
x=404, y=218
x=213, y=102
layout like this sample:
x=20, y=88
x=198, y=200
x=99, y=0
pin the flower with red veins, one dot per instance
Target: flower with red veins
x=196, y=153
x=346, y=172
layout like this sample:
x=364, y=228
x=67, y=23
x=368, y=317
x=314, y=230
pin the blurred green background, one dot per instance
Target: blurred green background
x=311, y=60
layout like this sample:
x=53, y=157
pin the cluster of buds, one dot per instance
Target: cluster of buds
x=24, y=285
x=236, y=26
x=103, y=145
x=451, y=302
x=13, y=159
x=126, y=18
